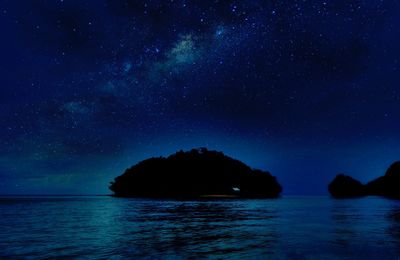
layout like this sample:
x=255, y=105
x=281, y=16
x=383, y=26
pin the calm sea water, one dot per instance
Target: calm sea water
x=290, y=227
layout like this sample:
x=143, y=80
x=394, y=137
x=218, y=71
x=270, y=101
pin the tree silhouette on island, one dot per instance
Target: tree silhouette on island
x=388, y=185
x=195, y=174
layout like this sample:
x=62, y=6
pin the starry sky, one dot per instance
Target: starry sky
x=304, y=89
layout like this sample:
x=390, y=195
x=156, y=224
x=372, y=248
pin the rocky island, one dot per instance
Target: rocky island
x=388, y=185
x=195, y=174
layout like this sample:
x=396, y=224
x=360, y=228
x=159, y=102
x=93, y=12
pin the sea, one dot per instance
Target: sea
x=290, y=227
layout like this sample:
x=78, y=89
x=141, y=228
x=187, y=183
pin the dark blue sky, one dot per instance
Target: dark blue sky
x=304, y=89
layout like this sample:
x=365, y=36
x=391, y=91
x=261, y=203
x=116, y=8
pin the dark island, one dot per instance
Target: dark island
x=388, y=185
x=195, y=174
x=345, y=186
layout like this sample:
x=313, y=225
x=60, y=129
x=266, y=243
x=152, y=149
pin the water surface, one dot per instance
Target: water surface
x=290, y=227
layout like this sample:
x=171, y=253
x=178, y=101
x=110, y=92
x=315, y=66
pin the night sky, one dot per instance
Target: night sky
x=304, y=89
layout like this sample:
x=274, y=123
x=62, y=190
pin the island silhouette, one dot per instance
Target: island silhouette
x=344, y=186
x=196, y=173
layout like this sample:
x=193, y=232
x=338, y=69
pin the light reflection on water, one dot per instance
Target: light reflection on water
x=290, y=227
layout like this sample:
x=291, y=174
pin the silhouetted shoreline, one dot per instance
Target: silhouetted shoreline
x=203, y=174
x=344, y=186
x=198, y=173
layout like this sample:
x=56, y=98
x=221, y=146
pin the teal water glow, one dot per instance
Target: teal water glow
x=290, y=227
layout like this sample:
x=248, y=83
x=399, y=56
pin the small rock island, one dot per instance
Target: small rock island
x=344, y=186
x=198, y=173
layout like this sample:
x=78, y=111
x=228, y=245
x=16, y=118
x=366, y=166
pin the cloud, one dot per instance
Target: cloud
x=185, y=52
x=76, y=107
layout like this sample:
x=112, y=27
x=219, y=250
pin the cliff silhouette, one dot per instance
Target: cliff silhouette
x=193, y=174
x=345, y=186
x=388, y=185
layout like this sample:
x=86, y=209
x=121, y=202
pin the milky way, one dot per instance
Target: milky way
x=304, y=89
